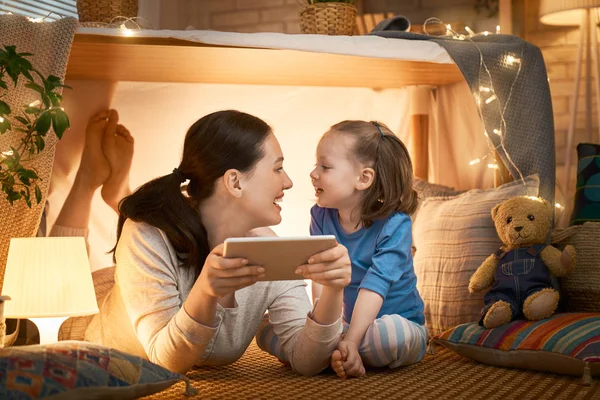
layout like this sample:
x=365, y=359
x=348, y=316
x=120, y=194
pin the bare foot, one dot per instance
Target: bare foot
x=337, y=364
x=94, y=169
x=117, y=145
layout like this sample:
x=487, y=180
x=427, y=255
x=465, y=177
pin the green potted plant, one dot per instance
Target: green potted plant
x=328, y=17
x=31, y=122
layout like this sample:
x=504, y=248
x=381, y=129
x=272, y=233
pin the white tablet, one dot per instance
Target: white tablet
x=279, y=256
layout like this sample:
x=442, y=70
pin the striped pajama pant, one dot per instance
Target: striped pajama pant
x=391, y=341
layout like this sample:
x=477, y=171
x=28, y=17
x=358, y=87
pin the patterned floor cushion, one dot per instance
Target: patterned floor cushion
x=564, y=344
x=79, y=370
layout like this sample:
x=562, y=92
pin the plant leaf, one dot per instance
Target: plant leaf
x=4, y=125
x=60, y=122
x=43, y=123
x=4, y=108
x=38, y=194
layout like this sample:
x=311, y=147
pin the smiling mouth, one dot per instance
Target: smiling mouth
x=521, y=236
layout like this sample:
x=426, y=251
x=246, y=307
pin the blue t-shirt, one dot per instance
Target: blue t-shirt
x=381, y=262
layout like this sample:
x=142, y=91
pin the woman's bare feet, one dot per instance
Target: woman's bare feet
x=94, y=169
x=117, y=145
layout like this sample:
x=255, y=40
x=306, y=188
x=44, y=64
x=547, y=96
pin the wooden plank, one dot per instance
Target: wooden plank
x=505, y=16
x=112, y=58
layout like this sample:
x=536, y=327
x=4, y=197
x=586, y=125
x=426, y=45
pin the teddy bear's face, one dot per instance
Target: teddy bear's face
x=522, y=221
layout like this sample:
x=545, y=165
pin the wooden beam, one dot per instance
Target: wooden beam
x=111, y=58
x=505, y=16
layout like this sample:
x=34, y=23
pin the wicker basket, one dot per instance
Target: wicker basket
x=581, y=286
x=106, y=10
x=328, y=18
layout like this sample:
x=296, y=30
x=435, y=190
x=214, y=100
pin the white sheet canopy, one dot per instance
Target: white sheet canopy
x=158, y=112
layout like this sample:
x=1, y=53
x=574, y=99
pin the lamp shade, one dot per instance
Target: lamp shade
x=565, y=12
x=48, y=277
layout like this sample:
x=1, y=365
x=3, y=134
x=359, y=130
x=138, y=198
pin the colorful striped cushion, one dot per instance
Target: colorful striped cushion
x=564, y=343
x=453, y=236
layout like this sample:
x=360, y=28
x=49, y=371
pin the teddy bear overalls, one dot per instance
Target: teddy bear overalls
x=519, y=274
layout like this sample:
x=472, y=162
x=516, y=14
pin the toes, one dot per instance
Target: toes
x=100, y=116
x=336, y=356
x=113, y=119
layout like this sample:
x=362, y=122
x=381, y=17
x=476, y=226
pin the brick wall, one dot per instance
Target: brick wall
x=283, y=15
x=231, y=15
x=559, y=47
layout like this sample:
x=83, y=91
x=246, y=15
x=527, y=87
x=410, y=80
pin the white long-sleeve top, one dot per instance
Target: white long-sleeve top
x=143, y=313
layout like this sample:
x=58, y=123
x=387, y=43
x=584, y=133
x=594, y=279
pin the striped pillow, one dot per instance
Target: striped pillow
x=563, y=344
x=453, y=236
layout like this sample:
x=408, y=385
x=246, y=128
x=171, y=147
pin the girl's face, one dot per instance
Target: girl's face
x=336, y=174
x=263, y=187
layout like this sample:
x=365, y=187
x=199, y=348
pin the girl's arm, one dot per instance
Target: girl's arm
x=365, y=311
x=316, y=291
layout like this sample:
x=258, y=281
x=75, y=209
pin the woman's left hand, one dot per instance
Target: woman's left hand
x=329, y=268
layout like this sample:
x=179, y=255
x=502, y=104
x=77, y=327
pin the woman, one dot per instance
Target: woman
x=176, y=299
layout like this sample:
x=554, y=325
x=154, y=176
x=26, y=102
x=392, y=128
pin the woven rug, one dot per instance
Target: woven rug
x=443, y=375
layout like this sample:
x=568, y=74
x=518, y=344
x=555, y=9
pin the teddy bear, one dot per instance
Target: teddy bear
x=519, y=273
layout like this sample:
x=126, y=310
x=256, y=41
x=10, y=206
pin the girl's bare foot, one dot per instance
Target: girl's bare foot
x=117, y=145
x=337, y=363
x=94, y=169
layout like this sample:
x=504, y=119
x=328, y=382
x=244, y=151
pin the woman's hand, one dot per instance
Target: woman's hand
x=330, y=268
x=221, y=276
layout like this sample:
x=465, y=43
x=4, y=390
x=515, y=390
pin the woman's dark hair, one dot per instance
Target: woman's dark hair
x=376, y=146
x=214, y=144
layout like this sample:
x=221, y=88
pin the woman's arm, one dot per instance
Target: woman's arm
x=149, y=282
x=307, y=344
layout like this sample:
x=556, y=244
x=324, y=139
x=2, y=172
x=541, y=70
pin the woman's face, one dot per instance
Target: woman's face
x=263, y=186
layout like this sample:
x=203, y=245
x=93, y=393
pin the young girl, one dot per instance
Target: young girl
x=363, y=181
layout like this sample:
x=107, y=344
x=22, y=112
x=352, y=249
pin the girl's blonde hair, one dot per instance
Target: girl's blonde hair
x=376, y=146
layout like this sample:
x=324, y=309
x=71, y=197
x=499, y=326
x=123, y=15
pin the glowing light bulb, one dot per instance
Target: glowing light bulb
x=1, y=120
x=559, y=206
x=490, y=99
x=126, y=31
x=497, y=132
x=35, y=103
x=475, y=161
x=469, y=30
x=510, y=60
x=484, y=89
x=492, y=166
x=486, y=33
x=497, y=29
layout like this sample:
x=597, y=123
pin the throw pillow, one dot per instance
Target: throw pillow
x=78, y=370
x=453, y=236
x=580, y=289
x=563, y=344
x=587, y=194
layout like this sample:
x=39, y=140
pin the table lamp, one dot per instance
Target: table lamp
x=48, y=280
x=582, y=13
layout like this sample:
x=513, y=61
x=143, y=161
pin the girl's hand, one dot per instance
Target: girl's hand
x=329, y=268
x=222, y=276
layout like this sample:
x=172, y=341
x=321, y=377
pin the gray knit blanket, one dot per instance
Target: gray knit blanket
x=522, y=109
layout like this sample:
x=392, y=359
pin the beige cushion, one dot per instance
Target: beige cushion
x=453, y=236
x=580, y=289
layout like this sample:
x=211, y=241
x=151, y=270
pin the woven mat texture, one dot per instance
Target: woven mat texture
x=443, y=375
x=50, y=44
